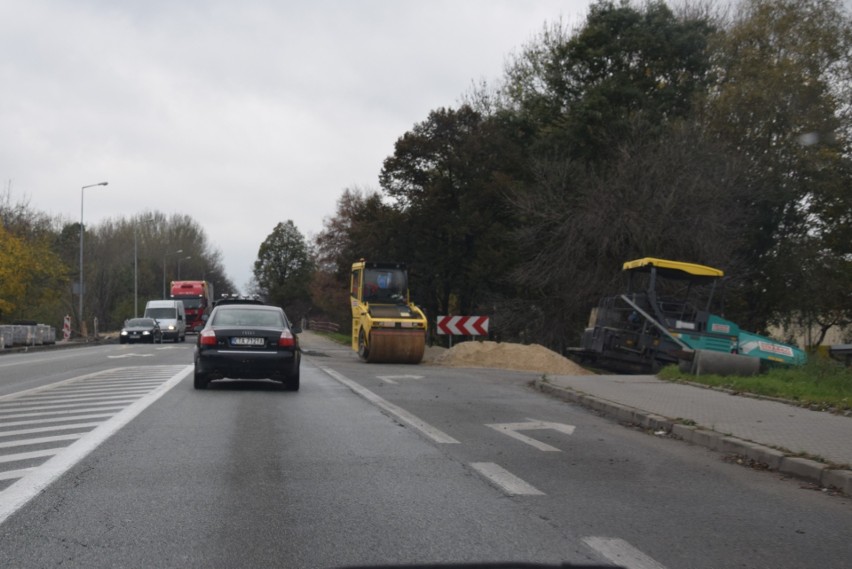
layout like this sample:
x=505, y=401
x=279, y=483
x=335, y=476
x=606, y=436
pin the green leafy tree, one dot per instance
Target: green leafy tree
x=447, y=179
x=283, y=269
x=783, y=103
x=586, y=91
x=363, y=227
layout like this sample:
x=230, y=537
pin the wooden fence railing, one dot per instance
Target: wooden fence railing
x=321, y=326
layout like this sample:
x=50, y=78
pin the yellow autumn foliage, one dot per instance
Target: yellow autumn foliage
x=29, y=273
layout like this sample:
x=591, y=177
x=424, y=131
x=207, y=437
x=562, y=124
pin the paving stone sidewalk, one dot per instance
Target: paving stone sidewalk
x=726, y=421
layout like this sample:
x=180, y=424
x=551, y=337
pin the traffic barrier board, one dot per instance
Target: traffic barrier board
x=463, y=325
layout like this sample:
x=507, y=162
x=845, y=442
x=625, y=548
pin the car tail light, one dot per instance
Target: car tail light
x=207, y=338
x=286, y=340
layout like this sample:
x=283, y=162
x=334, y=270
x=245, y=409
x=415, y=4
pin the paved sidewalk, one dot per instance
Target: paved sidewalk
x=773, y=433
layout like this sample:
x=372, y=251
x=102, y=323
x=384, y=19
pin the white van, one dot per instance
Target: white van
x=171, y=316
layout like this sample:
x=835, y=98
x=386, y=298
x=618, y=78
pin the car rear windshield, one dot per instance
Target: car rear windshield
x=243, y=317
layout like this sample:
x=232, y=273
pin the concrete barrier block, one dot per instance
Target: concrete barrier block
x=683, y=431
x=804, y=468
x=840, y=479
x=709, y=439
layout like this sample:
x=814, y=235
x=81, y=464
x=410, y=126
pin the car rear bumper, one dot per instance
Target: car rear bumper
x=242, y=364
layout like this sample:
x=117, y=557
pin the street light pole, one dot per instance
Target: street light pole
x=179, y=260
x=136, y=266
x=179, y=251
x=83, y=330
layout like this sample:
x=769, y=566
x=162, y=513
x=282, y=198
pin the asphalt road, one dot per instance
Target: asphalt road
x=366, y=464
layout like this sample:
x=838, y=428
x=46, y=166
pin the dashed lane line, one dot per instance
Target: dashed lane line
x=505, y=480
x=621, y=553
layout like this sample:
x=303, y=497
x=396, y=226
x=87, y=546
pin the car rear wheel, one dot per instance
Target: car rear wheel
x=291, y=382
x=199, y=380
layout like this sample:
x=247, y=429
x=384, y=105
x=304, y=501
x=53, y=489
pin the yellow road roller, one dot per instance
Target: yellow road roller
x=386, y=326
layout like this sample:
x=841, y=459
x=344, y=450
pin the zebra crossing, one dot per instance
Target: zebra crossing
x=44, y=431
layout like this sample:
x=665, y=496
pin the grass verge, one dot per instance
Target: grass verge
x=821, y=383
x=344, y=339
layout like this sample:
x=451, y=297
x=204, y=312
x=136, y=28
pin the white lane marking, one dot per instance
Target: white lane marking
x=428, y=430
x=29, y=455
x=22, y=491
x=66, y=412
x=12, y=474
x=505, y=480
x=37, y=430
x=131, y=355
x=393, y=378
x=45, y=358
x=40, y=440
x=70, y=403
x=80, y=396
x=19, y=394
x=621, y=553
x=56, y=420
x=511, y=429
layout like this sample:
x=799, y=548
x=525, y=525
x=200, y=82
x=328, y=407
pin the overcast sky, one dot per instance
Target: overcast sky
x=240, y=114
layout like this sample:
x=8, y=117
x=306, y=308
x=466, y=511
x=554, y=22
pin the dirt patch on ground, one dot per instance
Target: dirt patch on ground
x=503, y=355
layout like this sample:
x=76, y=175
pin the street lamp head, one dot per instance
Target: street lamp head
x=94, y=185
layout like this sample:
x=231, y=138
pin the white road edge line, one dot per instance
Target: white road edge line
x=505, y=480
x=18, y=494
x=621, y=553
x=428, y=430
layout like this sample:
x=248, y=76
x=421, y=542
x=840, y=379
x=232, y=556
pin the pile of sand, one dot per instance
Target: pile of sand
x=503, y=355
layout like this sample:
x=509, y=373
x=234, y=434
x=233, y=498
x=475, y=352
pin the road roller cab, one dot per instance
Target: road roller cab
x=386, y=326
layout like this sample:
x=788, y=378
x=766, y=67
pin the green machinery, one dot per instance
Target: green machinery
x=655, y=323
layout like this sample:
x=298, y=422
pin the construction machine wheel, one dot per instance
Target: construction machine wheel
x=393, y=346
x=363, y=351
x=707, y=362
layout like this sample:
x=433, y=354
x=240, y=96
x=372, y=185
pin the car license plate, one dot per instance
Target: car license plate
x=253, y=341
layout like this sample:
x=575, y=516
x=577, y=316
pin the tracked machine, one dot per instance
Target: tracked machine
x=657, y=322
x=386, y=326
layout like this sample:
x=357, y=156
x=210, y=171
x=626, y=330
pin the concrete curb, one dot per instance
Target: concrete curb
x=825, y=475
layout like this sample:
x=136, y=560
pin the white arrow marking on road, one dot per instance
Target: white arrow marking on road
x=130, y=356
x=392, y=378
x=512, y=429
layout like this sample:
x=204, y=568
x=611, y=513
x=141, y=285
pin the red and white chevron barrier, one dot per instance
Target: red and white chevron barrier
x=463, y=325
